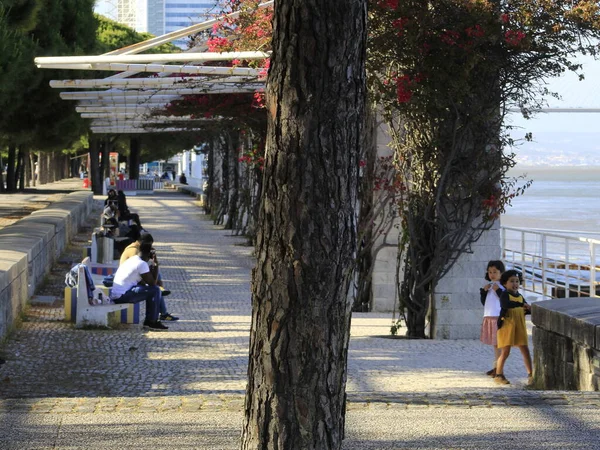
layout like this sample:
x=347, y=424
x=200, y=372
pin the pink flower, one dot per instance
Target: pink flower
x=216, y=44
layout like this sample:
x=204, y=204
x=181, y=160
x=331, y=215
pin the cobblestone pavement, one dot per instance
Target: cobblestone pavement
x=193, y=375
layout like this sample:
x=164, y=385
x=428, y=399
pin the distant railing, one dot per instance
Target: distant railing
x=553, y=264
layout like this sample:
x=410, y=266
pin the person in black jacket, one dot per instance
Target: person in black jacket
x=490, y=299
x=124, y=213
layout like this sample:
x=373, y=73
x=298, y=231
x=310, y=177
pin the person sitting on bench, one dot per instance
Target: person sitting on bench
x=132, y=250
x=124, y=213
x=135, y=282
x=112, y=198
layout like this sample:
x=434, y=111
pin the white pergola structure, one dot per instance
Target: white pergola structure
x=127, y=103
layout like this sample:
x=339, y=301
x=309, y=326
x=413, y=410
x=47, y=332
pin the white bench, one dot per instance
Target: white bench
x=93, y=315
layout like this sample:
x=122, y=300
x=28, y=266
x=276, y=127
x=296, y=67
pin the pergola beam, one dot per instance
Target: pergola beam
x=131, y=130
x=119, y=109
x=67, y=61
x=147, y=93
x=144, y=82
x=127, y=115
x=160, y=68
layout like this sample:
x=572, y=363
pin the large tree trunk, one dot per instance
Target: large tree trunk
x=33, y=159
x=134, y=158
x=2, y=188
x=106, y=158
x=11, y=179
x=42, y=168
x=233, y=175
x=21, y=168
x=51, y=166
x=223, y=199
x=29, y=165
x=295, y=398
x=208, y=192
x=94, y=171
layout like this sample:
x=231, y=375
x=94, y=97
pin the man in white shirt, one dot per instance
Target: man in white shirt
x=135, y=282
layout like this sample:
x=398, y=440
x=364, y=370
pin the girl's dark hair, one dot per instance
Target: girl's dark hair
x=497, y=264
x=510, y=273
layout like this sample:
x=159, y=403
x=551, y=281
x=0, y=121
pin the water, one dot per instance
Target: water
x=563, y=200
x=560, y=198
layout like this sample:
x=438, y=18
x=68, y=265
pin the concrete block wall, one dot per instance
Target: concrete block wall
x=458, y=310
x=29, y=247
x=566, y=344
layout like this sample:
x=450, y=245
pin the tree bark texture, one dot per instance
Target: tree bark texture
x=95, y=175
x=223, y=197
x=134, y=158
x=233, y=176
x=11, y=179
x=50, y=167
x=2, y=188
x=27, y=156
x=21, y=168
x=306, y=242
x=32, y=161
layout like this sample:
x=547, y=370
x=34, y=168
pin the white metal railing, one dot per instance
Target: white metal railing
x=553, y=263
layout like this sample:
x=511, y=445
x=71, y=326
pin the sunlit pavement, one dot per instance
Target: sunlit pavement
x=183, y=388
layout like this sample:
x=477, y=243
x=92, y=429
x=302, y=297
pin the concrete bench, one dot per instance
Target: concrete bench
x=190, y=190
x=77, y=305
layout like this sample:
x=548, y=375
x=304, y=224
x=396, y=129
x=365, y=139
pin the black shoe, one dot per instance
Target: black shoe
x=147, y=323
x=168, y=317
x=157, y=326
x=164, y=292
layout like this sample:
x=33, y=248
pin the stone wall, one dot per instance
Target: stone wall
x=29, y=247
x=566, y=344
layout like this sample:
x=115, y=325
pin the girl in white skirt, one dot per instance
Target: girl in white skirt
x=490, y=299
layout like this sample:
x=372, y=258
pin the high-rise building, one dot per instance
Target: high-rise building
x=158, y=16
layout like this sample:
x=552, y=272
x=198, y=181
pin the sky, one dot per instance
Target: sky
x=574, y=93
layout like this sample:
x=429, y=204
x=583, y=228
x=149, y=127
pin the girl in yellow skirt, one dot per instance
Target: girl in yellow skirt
x=511, y=324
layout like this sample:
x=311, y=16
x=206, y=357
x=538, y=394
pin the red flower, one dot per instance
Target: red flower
x=514, y=37
x=389, y=4
x=399, y=24
x=504, y=18
x=475, y=31
x=403, y=90
x=450, y=37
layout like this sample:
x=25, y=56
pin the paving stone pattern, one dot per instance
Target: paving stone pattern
x=200, y=363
